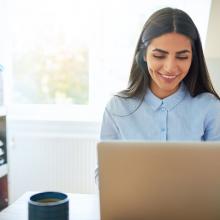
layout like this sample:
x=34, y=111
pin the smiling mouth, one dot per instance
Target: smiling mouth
x=168, y=76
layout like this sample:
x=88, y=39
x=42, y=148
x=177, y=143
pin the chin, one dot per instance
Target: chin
x=169, y=88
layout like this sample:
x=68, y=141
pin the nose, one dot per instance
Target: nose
x=170, y=65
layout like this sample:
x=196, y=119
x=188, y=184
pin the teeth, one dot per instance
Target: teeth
x=168, y=77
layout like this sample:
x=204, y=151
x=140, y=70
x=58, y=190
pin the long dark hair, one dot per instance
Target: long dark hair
x=164, y=21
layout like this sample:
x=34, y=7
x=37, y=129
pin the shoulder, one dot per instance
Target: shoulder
x=208, y=99
x=212, y=116
x=203, y=103
x=207, y=102
x=204, y=98
x=122, y=106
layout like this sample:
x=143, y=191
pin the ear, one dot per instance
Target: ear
x=139, y=57
x=145, y=57
x=144, y=54
x=140, y=60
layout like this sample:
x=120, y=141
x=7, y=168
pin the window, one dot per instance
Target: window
x=50, y=53
x=68, y=57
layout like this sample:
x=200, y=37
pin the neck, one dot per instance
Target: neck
x=163, y=93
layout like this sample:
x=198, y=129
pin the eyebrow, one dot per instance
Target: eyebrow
x=166, y=52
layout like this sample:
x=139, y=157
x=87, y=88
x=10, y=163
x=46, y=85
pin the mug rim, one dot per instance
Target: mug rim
x=63, y=198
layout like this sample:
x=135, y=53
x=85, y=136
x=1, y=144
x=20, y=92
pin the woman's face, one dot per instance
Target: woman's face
x=168, y=59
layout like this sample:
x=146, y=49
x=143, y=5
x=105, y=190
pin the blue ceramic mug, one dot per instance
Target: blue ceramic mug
x=48, y=206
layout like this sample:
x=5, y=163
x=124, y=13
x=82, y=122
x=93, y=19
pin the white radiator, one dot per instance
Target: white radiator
x=42, y=162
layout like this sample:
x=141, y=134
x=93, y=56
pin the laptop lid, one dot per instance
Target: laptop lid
x=165, y=180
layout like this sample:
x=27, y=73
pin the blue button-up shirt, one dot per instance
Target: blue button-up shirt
x=177, y=117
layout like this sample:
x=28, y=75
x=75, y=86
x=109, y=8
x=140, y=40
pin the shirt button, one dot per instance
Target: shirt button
x=163, y=129
x=163, y=109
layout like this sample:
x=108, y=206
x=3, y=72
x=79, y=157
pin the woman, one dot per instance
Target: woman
x=170, y=95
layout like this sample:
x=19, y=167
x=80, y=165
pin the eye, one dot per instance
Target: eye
x=159, y=56
x=182, y=58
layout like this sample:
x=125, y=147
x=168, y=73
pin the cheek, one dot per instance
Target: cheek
x=185, y=68
x=153, y=65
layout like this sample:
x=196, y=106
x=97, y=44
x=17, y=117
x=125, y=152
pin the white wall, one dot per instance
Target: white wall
x=212, y=46
x=52, y=155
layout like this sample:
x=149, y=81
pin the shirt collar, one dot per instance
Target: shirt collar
x=168, y=102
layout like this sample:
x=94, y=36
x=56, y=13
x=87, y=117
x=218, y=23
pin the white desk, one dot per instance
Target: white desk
x=81, y=207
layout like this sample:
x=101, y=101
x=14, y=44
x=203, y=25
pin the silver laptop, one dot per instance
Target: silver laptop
x=157, y=181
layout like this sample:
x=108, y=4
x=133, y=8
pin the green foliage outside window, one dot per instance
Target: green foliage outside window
x=43, y=77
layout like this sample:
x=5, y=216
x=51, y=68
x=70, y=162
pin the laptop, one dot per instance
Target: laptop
x=159, y=180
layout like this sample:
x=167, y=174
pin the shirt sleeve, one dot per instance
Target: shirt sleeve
x=109, y=129
x=212, y=123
